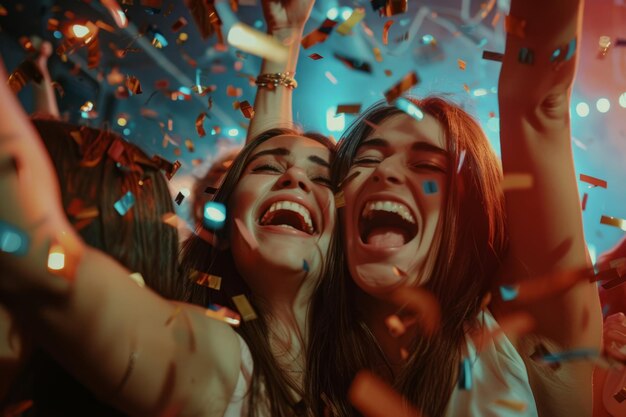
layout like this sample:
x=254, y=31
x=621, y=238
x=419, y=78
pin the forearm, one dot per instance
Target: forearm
x=273, y=107
x=45, y=98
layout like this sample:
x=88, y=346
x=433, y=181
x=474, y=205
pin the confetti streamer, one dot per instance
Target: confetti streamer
x=595, y=182
x=346, y=27
x=247, y=236
x=214, y=215
x=613, y=221
x=374, y=398
x=406, y=83
x=348, y=109
x=318, y=35
x=13, y=240
x=386, y=28
x=244, y=307
x=257, y=43
x=125, y=203
x=493, y=56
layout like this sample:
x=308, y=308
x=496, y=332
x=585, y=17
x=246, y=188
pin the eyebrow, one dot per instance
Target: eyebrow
x=417, y=146
x=285, y=152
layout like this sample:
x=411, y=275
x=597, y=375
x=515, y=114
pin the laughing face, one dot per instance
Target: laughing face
x=284, y=200
x=393, y=205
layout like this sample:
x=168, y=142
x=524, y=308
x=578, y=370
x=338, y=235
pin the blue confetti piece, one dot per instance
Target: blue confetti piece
x=13, y=240
x=430, y=187
x=465, y=375
x=409, y=108
x=305, y=266
x=571, y=49
x=508, y=292
x=605, y=309
x=570, y=355
x=214, y=215
x=125, y=203
x=526, y=56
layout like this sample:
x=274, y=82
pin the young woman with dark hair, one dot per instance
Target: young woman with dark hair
x=168, y=358
x=424, y=208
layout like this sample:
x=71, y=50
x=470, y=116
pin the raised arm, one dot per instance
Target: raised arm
x=545, y=222
x=137, y=351
x=273, y=106
x=45, y=100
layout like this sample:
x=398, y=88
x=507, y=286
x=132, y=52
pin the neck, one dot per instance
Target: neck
x=374, y=311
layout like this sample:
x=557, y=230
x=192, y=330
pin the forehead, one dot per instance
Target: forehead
x=296, y=145
x=402, y=129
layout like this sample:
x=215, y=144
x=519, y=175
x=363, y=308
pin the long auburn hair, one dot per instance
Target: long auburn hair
x=269, y=385
x=467, y=250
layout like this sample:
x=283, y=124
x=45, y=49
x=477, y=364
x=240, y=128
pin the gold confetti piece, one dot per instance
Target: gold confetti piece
x=374, y=398
x=388, y=25
x=137, y=279
x=406, y=83
x=244, y=307
x=206, y=280
x=247, y=236
x=318, y=35
x=257, y=43
x=348, y=109
x=596, y=182
x=200, y=124
x=461, y=64
x=346, y=27
x=516, y=182
x=613, y=221
x=604, y=43
x=340, y=200
x=511, y=404
x=515, y=26
x=377, y=55
x=24, y=73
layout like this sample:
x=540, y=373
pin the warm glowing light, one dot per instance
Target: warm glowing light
x=346, y=12
x=56, y=258
x=603, y=105
x=582, y=109
x=121, y=121
x=80, y=31
x=233, y=132
x=622, y=100
x=332, y=13
x=334, y=122
x=87, y=107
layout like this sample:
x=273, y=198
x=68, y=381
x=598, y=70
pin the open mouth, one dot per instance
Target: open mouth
x=288, y=214
x=386, y=224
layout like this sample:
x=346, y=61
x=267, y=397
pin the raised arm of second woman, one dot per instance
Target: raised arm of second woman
x=134, y=349
x=285, y=21
x=545, y=222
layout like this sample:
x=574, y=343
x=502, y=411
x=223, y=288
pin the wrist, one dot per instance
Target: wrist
x=287, y=34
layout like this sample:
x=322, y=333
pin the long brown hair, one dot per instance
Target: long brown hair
x=468, y=247
x=269, y=383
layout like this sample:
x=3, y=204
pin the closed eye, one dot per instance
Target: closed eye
x=428, y=167
x=323, y=180
x=265, y=168
x=366, y=161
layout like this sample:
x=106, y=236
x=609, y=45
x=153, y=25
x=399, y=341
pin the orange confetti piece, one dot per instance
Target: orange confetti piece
x=133, y=84
x=596, y=182
x=349, y=109
x=409, y=80
x=200, y=124
x=340, y=200
x=232, y=91
x=613, y=221
x=246, y=109
x=318, y=35
x=461, y=64
x=388, y=25
x=206, y=280
x=374, y=398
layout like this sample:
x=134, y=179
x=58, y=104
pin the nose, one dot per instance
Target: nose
x=295, y=178
x=389, y=170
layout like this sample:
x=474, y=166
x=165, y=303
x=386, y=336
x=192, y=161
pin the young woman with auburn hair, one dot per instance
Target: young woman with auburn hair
x=425, y=214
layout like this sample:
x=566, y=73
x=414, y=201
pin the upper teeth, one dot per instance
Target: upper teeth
x=292, y=206
x=391, y=206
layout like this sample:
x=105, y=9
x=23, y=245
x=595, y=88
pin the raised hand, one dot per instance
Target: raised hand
x=286, y=14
